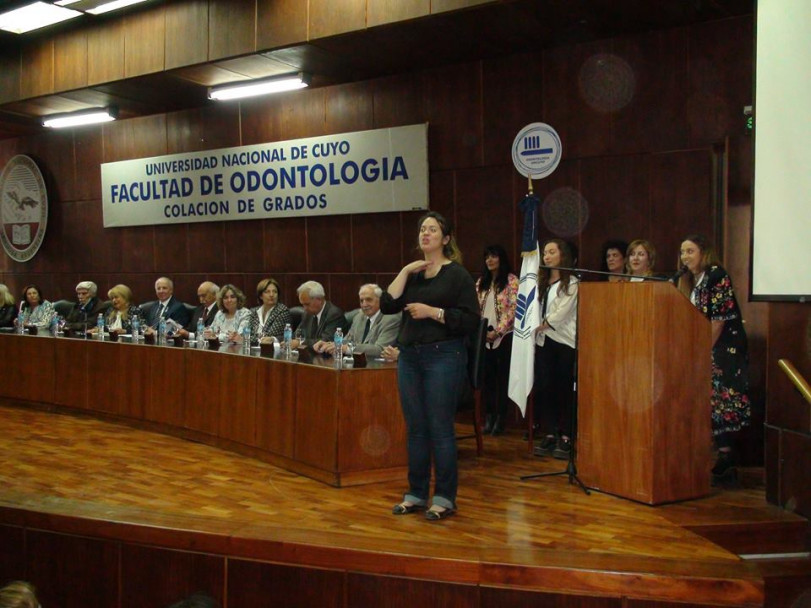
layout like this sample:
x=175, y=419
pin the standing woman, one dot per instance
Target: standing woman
x=35, y=310
x=556, y=340
x=709, y=288
x=269, y=318
x=640, y=259
x=8, y=312
x=614, y=259
x=497, y=290
x=232, y=316
x=437, y=297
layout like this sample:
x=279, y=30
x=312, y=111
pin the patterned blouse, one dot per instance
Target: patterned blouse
x=505, y=304
x=222, y=326
x=42, y=315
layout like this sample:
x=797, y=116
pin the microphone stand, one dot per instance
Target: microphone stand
x=571, y=468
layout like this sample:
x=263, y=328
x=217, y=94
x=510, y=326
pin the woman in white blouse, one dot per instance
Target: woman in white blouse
x=232, y=317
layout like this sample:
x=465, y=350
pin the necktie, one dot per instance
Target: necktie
x=366, y=329
x=204, y=316
x=161, y=310
x=314, y=328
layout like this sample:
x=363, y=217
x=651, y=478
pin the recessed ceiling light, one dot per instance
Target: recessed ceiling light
x=263, y=86
x=83, y=117
x=112, y=6
x=34, y=16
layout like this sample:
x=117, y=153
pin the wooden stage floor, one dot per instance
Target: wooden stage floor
x=108, y=479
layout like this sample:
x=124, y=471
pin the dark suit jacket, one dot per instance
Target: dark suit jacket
x=7, y=316
x=332, y=318
x=175, y=311
x=83, y=317
x=192, y=326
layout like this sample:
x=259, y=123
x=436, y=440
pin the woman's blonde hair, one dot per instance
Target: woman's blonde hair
x=648, y=247
x=6, y=299
x=18, y=594
x=122, y=291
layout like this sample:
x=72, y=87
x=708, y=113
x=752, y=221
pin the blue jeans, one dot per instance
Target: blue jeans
x=430, y=378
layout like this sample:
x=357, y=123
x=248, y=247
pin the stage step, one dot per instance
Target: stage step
x=787, y=580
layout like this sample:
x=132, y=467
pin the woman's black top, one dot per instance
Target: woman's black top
x=452, y=289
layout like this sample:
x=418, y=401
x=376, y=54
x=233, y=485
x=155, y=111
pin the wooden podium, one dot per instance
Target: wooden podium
x=644, y=386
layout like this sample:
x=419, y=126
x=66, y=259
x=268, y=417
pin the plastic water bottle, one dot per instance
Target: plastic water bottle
x=136, y=328
x=55, y=326
x=246, y=339
x=338, y=341
x=21, y=319
x=100, y=327
x=288, y=338
x=201, y=329
x=162, y=331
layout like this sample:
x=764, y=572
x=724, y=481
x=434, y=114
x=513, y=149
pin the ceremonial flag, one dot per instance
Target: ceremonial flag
x=522, y=364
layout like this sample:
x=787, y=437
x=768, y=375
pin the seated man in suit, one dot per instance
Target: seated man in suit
x=86, y=309
x=167, y=307
x=207, y=293
x=321, y=318
x=371, y=330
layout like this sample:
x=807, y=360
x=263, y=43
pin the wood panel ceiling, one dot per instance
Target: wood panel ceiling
x=483, y=32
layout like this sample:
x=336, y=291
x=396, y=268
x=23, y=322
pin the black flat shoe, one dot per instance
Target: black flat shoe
x=498, y=427
x=432, y=515
x=404, y=509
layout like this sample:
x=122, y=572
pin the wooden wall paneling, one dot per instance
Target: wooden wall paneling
x=302, y=114
x=12, y=552
x=344, y=290
x=583, y=130
x=88, y=152
x=789, y=338
x=70, y=60
x=138, y=255
x=206, y=248
x=680, y=201
x=244, y=239
x=516, y=598
x=398, y=100
x=654, y=118
x=771, y=463
x=144, y=41
x=442, y=199
x=441, y=6
x=202, y=407
x=135, y=138
x=37, y=73
x=365, y=590
x=159, y=577
x=795, y=491
x=200, y=129
x=561, y=213
x=485, y=215
x=453, y=108
x=376, y=242
x=285, y=247
x=261, y=119
x=54, y=153
x=72, y=381
x=316, y=416
x=371, y=427
x=172, y=250
x=10, y=68
x=254, y=584
x=275, y=407
x=232, y=28
x=329, y=243
x=616, y=189
x=72, y=572
x=106, y=361
x=280, y=23
x=349, y=108
x=332, y=17
x=720, y=82
x=105, y=52
x=238, y=398
x=512, y=97
x=380, y=12
x=168, y=390
x=186, y=33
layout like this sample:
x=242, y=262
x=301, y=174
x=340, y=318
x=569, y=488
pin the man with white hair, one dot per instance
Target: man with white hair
x=371, y=330
x=166, y=307
x=207, y=294
x=321, y=318
x=87, y=307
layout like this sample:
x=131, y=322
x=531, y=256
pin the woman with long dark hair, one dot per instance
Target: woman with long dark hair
x=34, y=308
x=497, y=289
x=556, y=341
x=437, y=298
x=709, y=288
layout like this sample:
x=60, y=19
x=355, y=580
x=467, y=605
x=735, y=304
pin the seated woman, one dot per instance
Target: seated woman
x=268, y=319
x=613, y=259
x=122, y=311
x=35, y=310
x=8, y=312
x=232, y=316
x=641, y=258
x=19, y=594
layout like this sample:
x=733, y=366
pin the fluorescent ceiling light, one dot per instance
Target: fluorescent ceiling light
x=34, y=16
x=112, y=6
x=84, y=117
x=264, y=86
x=66, y=2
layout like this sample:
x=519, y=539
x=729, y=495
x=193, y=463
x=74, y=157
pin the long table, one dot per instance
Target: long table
x=339, y=426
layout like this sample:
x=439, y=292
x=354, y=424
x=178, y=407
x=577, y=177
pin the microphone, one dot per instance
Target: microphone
x=682, y=271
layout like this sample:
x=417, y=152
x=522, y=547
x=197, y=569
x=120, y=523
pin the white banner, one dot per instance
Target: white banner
x=361, y=172
x=527, y=319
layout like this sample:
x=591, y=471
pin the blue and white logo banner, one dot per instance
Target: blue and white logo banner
x=527, y=319
x=360, y=172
